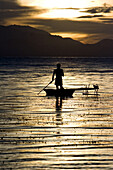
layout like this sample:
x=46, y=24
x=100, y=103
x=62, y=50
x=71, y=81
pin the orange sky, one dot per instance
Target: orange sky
x=87, y=21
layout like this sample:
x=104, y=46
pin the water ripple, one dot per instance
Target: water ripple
x=37, y=134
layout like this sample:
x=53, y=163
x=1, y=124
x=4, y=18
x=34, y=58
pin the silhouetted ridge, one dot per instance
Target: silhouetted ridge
x=105, y=43
x=18, y=40
x=24, y=29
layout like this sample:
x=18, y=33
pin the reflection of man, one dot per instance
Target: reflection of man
x=58, y=103
x=59, y=73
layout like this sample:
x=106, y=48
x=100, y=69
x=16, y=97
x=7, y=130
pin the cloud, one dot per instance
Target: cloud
x=8, y=4
x=107, y=20
x=103, y=9
x=68, y=8
x=95, y=30
x=11, y=9
x=91, y=16
x=63, y=25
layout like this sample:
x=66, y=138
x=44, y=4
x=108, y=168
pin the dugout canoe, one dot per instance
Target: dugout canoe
x=59, y=92
x=69, y=92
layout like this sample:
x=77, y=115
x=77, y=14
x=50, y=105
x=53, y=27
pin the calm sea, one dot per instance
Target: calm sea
x=43, y=133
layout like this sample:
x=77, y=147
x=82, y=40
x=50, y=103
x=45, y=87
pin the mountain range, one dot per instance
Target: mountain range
x=18, y=40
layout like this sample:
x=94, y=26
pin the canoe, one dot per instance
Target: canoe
x=69, y=92
x=59, y=92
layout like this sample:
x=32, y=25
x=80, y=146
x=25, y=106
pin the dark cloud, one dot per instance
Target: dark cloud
x=104, y=9
x=68, y=8
x=94, y=30
x=87, y=27
x=11, y=9
x=8, y=4
x=91, y=16
x=107, y=20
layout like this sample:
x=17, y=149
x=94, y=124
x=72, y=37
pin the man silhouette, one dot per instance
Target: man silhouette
x=59, y=73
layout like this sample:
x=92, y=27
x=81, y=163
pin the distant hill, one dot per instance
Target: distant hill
x=27, y=41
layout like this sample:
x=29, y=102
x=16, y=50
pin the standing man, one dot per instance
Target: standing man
x=59, y=73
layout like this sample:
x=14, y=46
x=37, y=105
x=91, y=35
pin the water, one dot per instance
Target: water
x=39, y=132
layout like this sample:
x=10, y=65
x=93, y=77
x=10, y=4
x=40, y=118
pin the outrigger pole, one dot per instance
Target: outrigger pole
x=45, y=87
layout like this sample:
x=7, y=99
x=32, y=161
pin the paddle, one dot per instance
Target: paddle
x=45, y=87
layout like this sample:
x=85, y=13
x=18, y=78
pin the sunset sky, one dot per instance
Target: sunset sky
x=88, y=21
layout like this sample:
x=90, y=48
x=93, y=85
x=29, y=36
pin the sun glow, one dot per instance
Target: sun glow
x=56, y=3
x=61, y=13
x=77, y=15
x=66, y=4
x=76, y=36
x=58, y=8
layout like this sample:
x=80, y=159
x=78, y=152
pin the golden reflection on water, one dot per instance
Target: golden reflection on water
x=40, y=132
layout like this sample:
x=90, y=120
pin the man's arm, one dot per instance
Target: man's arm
x=53, y=75
x=62, y=73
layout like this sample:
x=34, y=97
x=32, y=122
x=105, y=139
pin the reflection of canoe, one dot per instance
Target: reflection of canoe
x=59, y=92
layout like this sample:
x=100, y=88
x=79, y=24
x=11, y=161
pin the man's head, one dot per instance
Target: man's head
x=58, y=65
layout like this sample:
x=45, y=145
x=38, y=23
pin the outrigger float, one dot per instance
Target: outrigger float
x=69, y=92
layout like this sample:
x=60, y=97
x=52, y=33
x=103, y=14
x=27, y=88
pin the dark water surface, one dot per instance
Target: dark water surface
x=40, y=132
